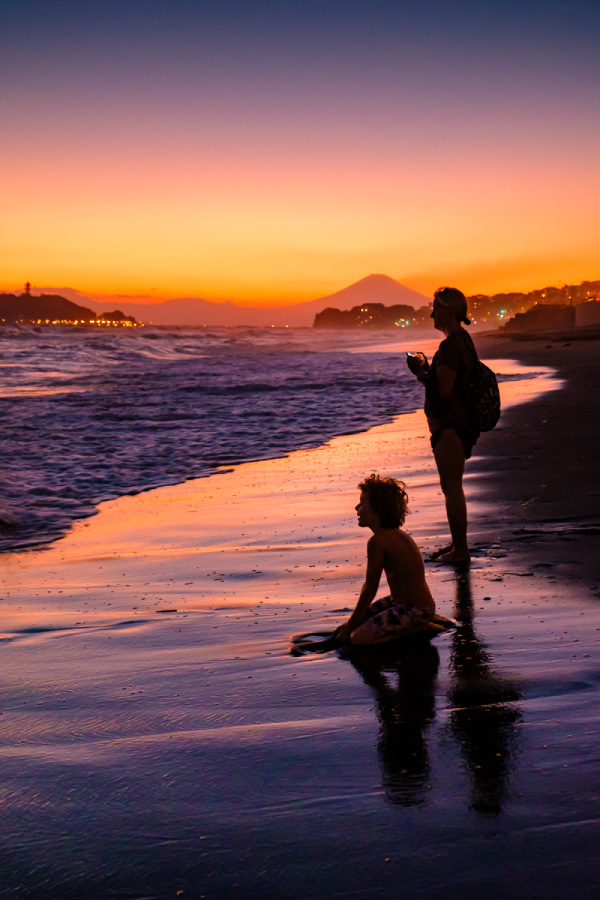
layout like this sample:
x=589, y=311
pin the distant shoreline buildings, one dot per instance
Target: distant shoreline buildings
x=549, y=308
x=51, y=309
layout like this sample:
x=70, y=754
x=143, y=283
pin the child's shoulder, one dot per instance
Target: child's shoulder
x=386, y=537
x=396, y=539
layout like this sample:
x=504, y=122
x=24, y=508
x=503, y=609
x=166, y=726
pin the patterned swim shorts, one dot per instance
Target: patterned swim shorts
x=387, y=617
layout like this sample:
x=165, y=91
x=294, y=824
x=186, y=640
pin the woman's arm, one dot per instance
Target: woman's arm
x=445, y=379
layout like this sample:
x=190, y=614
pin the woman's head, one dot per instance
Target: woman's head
x=452, y=299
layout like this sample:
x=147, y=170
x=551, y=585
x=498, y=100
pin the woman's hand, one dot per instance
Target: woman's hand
x=417, y=363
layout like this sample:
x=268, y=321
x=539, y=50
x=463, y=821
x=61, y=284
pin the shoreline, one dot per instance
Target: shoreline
x=12, y=542
x=399, y=447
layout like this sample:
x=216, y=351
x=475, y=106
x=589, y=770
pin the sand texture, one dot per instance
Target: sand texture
x=158, y=739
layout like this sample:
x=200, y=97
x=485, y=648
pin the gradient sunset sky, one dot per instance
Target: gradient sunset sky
x=278, y=151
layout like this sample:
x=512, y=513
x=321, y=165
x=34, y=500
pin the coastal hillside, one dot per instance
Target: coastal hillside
x=48, y=307
x=52, y=309
x=373, y=315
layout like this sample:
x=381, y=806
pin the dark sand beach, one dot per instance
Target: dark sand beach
x=542, y=464
x=159, y=740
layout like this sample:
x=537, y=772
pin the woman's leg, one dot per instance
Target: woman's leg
x=449, y=457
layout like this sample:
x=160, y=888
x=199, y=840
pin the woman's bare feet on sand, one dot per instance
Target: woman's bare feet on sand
x=441, y=552
x=453, y=557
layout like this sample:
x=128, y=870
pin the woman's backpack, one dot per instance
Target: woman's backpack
x=485, y=397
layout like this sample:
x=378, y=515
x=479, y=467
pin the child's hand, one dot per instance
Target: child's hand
x=342, y=634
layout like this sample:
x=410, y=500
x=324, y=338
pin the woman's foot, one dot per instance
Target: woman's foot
x=453, y=557
x=441, y=552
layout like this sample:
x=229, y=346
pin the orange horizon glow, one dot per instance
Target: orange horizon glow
x=278, y=170
x=523, y=277
x=257, y=233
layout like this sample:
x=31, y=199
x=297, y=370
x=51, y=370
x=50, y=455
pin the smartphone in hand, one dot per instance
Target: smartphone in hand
x=417, y=362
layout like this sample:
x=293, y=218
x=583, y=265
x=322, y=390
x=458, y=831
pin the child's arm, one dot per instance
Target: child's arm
x=369, y=589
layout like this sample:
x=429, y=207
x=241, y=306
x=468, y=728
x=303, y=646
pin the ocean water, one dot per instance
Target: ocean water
x=88, y=416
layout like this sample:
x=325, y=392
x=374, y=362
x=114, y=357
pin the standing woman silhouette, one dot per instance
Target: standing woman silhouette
x=447, y=407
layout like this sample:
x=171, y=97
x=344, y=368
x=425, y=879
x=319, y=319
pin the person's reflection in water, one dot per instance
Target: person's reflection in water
x=404, y=683
x=483, y=714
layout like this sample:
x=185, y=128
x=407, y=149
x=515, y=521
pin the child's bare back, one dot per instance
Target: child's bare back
x=404, y=568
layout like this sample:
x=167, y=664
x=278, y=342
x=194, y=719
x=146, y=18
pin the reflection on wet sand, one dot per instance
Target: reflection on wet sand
x=404, y=683
x=483, y=714
x=483, y=711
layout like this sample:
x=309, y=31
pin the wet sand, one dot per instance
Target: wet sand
x=157, y=736
x=541, y=465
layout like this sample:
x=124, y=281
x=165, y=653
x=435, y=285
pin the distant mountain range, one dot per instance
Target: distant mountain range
x=195, y=311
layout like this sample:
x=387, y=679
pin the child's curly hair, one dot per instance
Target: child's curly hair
x=387, y=498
